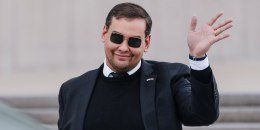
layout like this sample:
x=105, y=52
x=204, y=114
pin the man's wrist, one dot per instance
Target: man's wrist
x=198, y=63
x=191, y=57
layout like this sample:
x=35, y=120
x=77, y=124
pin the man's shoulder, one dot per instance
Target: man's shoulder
x=167, y=68
x=164, y=64
x=80, y=80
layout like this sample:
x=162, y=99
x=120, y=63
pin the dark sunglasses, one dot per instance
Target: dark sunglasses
x=132, y=41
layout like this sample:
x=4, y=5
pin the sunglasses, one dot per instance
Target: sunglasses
x=132, y=41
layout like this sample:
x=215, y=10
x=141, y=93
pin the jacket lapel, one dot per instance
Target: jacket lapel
x=84, y=98
x=147, y=96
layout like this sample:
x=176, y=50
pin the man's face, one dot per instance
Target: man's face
x=122, y=57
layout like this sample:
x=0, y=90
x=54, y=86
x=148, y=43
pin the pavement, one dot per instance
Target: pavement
x=231, y=78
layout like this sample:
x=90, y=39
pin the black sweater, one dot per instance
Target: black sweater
x=115, y=104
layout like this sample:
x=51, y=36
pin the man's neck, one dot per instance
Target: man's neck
x=107, y=70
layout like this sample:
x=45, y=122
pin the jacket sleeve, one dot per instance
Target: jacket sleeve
x=196, y=96
x=61, y=108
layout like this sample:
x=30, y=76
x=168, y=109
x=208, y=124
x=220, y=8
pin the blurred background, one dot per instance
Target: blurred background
x=43, y=43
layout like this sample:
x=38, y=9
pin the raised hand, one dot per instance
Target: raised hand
x=199, y=41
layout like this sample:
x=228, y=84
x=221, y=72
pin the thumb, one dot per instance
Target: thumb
x=193, y=23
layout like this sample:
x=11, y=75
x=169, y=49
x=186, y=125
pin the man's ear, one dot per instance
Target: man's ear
x=147, y=43
x=104, y=32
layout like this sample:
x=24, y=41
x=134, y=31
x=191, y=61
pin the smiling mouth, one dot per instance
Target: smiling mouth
x=122, y=57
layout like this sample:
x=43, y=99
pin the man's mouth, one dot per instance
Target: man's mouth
x=122, y=56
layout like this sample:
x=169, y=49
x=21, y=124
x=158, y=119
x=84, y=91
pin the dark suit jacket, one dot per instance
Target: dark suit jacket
x=169, y=95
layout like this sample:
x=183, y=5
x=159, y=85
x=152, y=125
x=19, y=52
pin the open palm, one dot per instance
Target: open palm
x=199, y=41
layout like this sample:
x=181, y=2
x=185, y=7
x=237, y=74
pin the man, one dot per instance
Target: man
x=129, y=93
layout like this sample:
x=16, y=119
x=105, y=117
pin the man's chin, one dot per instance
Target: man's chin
x=122, y=66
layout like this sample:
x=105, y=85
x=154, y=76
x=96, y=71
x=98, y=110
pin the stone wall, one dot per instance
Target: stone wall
x=47, y=35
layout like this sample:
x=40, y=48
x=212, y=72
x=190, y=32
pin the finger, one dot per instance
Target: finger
x=222, y=29
x=221, y=37
x=214, y=19
x=223, y=23
x=193, y=23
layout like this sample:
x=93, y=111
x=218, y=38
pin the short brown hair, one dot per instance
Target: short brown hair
x=130, y=10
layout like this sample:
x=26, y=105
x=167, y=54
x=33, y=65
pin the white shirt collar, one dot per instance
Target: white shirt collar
x=107, y=70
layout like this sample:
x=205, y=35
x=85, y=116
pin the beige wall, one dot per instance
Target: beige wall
x=47, y=35
x=45, y=42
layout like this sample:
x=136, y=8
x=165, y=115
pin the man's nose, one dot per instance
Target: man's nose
x=124, y=46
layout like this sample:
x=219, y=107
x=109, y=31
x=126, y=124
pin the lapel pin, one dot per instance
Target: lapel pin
x=149, y=79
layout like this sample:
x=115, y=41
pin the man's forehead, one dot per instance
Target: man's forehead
x=127, y=26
